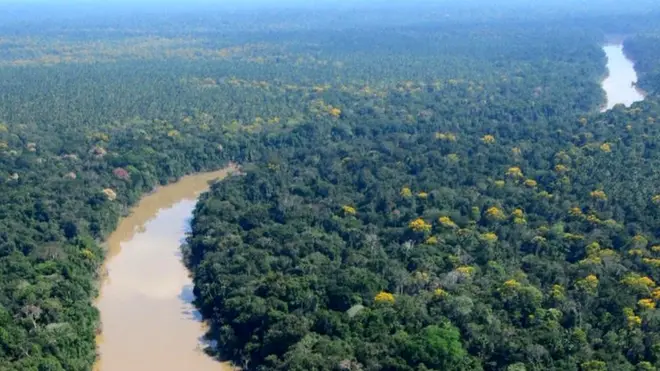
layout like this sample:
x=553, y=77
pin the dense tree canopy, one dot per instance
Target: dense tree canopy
x=420, y=192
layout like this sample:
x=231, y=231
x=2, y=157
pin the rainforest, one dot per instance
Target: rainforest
x=419, y=185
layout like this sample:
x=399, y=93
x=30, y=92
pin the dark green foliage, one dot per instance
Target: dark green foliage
x=325, y=111
x=281, y=268
x=645, y=51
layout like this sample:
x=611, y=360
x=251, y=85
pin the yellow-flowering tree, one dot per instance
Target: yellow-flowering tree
x=489, y=237
x=652, y=262
x=575, y=211
x=493, y=213
x=420, y=225
x=446, y=221
x=514, y=172
x=348, y=210
x=334, y=112
x=511, y=285
x=384, y=297
x=646, y=304
x=405, y=192
x=631, y=319
x=588, y=284
x=110, y=194
x=531, y=183
x=636, y=281
x=488, y=139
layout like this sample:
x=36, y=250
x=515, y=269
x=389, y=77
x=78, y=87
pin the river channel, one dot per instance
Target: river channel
x=620, y=82
x=149, y=323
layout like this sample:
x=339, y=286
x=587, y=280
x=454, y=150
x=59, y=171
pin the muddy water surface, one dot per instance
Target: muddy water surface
x=619, y=84
x=148, y=320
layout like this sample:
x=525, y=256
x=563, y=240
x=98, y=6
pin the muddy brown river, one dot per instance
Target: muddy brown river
x=149, y=323
x=620, y=83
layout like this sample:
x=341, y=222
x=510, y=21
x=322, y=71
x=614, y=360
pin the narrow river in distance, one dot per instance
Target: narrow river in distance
x=619, y=84
x=148, y=320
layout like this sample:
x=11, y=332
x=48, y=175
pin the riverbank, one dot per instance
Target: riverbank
x=147, y=315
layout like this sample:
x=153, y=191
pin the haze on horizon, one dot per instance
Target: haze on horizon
x=564, y=6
